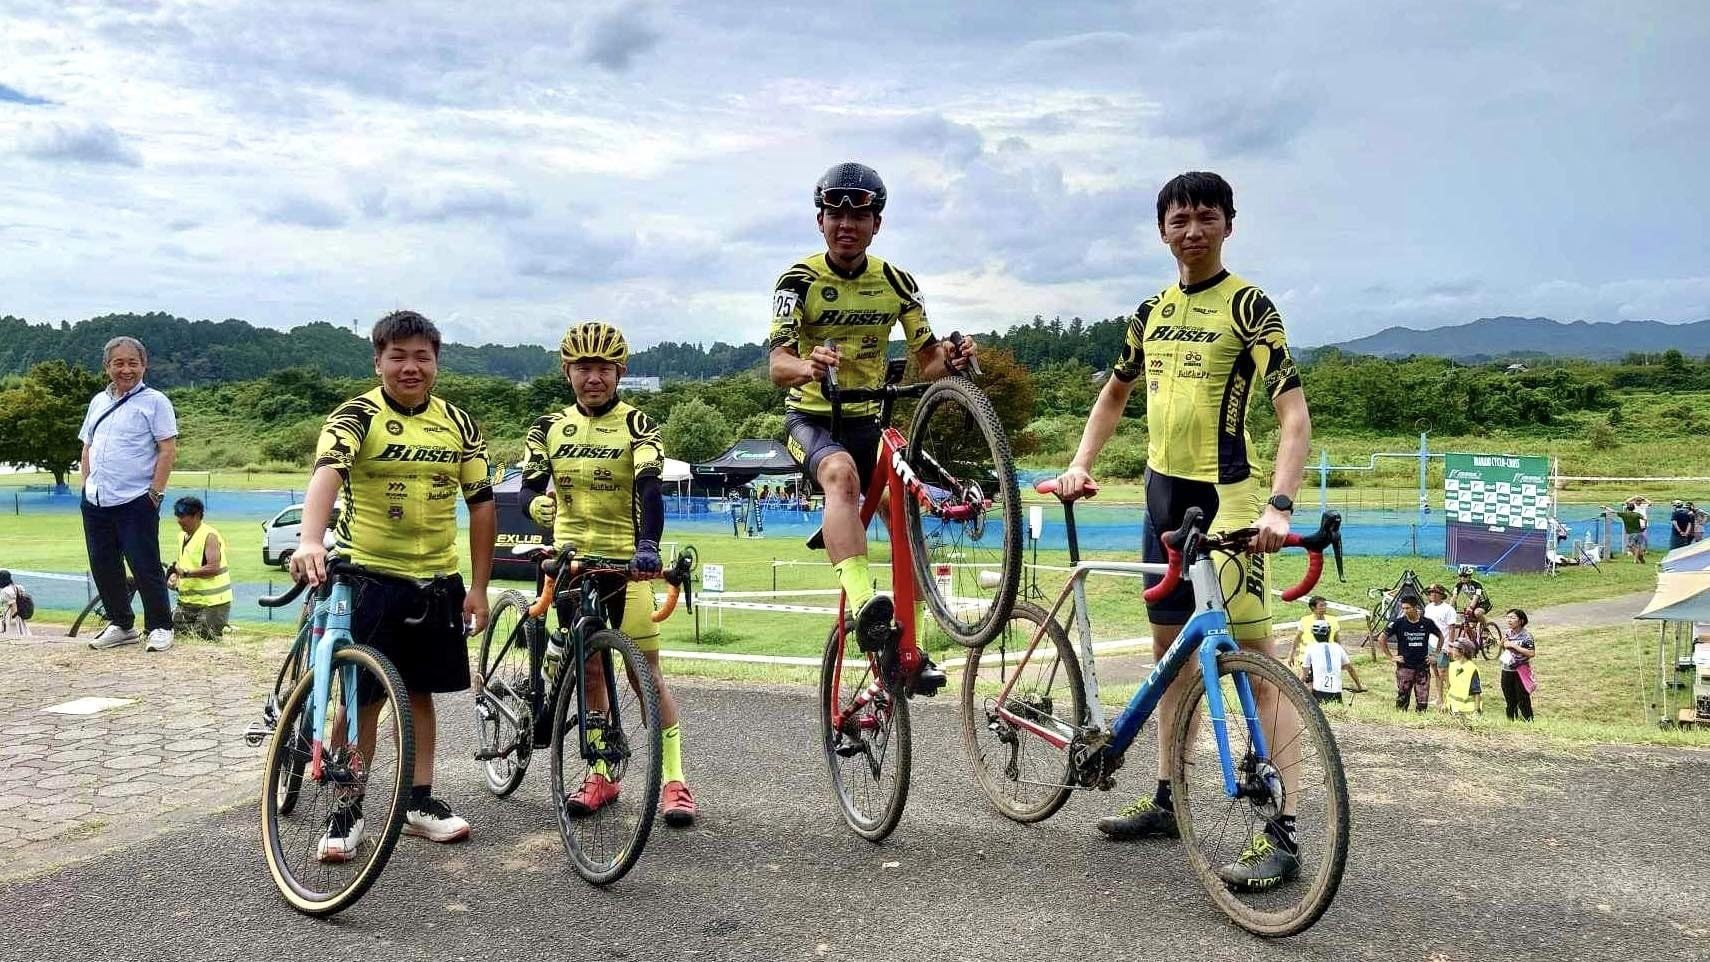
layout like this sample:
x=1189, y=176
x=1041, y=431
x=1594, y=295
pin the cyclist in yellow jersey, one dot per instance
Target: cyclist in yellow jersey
x=853, y=300
x=399, y=457
x=604, y=460
x=1203, y=347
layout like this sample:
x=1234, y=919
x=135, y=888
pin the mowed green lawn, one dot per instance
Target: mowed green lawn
x=1591, y=684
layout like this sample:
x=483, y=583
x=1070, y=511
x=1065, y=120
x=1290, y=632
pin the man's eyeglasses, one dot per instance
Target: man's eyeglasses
x=854, y=198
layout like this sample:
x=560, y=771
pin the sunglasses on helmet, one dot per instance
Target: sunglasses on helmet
x=854, y=198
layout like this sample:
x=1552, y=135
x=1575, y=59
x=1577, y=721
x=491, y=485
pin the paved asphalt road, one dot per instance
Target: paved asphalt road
x=1461, y=852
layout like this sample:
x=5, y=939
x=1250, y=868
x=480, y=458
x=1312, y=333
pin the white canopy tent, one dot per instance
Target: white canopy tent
x=1681, y=604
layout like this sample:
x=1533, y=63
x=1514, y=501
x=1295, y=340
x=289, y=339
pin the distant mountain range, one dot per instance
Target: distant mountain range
x=1493, y=338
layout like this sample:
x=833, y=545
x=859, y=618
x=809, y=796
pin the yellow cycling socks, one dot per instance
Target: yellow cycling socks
x=671, y=762
x=856, y=579
x=597, y=741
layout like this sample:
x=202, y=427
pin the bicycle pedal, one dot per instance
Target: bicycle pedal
x=254, y=735
x=928, y=681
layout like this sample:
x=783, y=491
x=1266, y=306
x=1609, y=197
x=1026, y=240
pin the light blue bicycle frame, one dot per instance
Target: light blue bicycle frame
x=331, y=632
x=1206, y=633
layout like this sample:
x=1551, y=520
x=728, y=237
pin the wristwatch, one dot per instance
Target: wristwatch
x=1282, y=502
x=158, y=496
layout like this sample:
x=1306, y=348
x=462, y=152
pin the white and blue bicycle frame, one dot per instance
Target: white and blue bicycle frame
x=331, y=632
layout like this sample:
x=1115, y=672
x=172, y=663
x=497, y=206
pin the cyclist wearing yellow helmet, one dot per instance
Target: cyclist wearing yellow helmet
x=835, y=310
x=604, y=461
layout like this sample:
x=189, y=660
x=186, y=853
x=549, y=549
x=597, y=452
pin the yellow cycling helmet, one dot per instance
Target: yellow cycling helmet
x=594, y=341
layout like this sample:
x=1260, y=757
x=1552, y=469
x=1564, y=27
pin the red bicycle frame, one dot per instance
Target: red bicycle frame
x=890, y=475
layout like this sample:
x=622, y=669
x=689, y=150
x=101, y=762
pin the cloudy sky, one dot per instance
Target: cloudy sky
x=512, y=165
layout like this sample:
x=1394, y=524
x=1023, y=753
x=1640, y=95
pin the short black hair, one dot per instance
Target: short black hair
x=402, y=325
x=1313, y=603
x=186, y=506
x=1197, y=188
x=1516, y=612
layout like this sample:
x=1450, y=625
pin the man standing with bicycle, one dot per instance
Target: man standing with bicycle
x=604, y=461
x=834, y=312
x=399, y=455
x=1203, y=346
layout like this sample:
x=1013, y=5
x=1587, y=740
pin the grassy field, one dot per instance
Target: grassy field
x=1591, y=686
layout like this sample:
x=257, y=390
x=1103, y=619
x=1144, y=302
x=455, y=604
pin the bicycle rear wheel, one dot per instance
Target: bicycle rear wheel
x=622, y=746
x=869, y=753
x=967, y=540
x=1302, y=775
x=367, y=784
x=505, y=697
x=1026, y=777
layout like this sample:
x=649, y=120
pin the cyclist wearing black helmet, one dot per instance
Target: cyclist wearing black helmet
x=835, y=311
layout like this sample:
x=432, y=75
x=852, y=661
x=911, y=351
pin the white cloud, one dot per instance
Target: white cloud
x=513, y=165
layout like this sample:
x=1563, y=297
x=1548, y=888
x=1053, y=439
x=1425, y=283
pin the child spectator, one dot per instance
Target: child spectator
x=1316, y=626
x=1440, y=611
x=15, y=606
x=1324, y=661
x=1463, y=693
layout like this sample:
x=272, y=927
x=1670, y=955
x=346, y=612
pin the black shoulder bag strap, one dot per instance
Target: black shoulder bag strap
x=108, y=413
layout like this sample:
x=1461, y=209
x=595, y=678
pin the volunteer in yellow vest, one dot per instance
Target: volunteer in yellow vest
x=1462, y=690
x=200, y=577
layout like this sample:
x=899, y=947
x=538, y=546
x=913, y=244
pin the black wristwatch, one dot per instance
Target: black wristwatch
x=1282, y=502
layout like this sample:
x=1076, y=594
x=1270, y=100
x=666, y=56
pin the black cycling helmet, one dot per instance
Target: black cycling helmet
x=852, y=185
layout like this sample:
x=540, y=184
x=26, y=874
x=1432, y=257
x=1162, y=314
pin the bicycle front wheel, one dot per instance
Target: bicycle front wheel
x=1489, y=641
x=966, y=534
x=863, y=717
x=1237, y=846
x=1026, y=777
x=327, y=851
x=606, y=763
x=505, y=697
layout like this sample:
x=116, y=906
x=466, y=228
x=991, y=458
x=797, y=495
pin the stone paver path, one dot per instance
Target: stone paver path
x=75, y=785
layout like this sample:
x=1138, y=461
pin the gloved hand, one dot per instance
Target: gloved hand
x=544, y=510
x=646, y=562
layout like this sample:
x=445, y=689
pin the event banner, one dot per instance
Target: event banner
x=1496, y=511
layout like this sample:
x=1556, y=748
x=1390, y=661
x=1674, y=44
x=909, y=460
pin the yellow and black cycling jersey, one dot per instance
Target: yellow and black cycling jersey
x=594, y=459
x=402, y=470
x=1202, y=348
x=814, y=302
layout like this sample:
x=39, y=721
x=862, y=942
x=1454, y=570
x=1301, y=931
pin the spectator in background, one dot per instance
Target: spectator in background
x=1438, y=609
x=200, y=575
x=1698, y=518
x=1323, y=662
x=1411, y=634
x=1464, y=694
x=13, y=616
x=1633, y=524
x=1315, y=626
x=1518, y=649
x=130, y=440
x=1680, y=526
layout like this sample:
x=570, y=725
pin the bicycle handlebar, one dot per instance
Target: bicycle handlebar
x=678, y=576
x=279, y=601
x=336, y=567
x=1328, y=535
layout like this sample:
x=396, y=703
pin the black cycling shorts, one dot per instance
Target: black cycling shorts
x=432, y=656
x=810, y=442
x=1227, y=507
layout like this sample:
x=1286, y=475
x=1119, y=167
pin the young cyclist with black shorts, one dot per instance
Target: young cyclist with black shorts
x=1203, y=346
x=397, y=456
x=852, y=300
x=604, y=460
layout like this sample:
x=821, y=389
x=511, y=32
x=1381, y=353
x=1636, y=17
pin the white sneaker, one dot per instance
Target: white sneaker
x=113, y=636
x=159, y=639
x=343, y=837
x=436, y=822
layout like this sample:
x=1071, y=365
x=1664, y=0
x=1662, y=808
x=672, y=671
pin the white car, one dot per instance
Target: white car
x=281, y=535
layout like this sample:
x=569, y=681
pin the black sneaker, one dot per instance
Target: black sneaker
x=929, y=678
x=873, y=623
x=1143, y=819
x=434, y=820
x=1263, y=865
